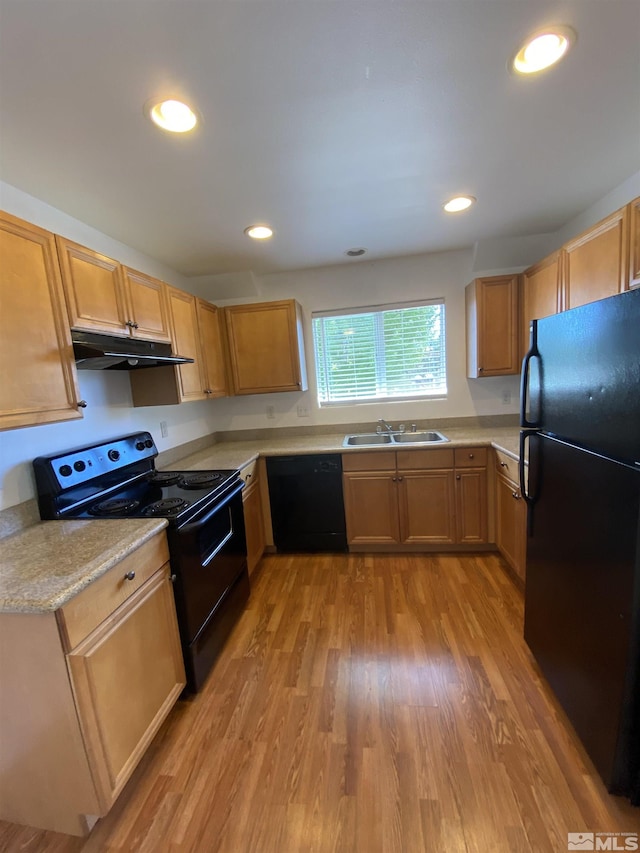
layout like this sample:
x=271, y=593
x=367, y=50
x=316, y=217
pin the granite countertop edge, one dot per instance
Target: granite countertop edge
x=45, y=565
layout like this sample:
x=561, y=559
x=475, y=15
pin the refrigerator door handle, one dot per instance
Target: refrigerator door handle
x=524, y=435
x=524, y=379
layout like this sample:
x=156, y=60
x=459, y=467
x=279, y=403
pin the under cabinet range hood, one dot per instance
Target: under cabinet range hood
x=106, y=352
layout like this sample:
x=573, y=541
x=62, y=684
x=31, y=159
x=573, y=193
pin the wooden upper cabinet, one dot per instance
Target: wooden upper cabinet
x=146, y=306
x=634, y=243
x=38, y=382
x=541, y=294
x=94, y=288
x=596, y=262
x=492, y=326
x=266, y=349
x=214, y=366
x=186, y=342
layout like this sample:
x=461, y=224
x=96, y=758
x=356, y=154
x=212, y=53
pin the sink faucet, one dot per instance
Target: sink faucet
x=383, y=423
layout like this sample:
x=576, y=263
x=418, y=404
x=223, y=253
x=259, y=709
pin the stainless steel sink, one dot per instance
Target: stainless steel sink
x=427, y=437
x=376, y=438
x=366, y=439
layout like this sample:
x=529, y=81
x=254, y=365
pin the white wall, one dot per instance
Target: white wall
x=443, y=274
x=109, y=412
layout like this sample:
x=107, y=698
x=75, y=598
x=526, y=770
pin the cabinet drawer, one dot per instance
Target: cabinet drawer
x=470, y=457
x=507, y=466
x=384, y=460
x=441, y=457
x=80, y=616
x=249, y=474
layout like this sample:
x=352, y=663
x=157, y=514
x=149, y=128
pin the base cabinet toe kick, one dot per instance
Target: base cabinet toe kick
x=85, y=688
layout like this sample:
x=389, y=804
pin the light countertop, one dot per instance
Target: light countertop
x=45, y=565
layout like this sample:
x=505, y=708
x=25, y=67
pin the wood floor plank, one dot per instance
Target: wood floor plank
x=363, y=703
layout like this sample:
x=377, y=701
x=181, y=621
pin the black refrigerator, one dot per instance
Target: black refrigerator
x=580, y=409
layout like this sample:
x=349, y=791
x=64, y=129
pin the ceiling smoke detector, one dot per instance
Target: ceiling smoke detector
x=355, y=253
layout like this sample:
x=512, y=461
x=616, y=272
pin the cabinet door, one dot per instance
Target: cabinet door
x=541, y=294
x=94, y=288
x=511, y=520
x=371, y=508
x=214, y=364
x=126, y=676
x=184, y=333
x=147, y=306
x=254, y=524
x=634, y=239
x=427, y=506
x=492, y=326
x=38, y=379
x=596, y=261
x=265, y=347
x=471, y=505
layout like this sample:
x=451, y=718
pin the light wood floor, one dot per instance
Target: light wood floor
x=363, y=703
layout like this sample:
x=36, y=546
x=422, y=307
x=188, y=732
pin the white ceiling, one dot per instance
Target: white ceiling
x=342, y=123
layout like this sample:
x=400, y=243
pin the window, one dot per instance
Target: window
x=383, y=352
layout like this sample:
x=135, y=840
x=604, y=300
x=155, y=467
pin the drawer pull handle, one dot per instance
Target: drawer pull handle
x=129, y=576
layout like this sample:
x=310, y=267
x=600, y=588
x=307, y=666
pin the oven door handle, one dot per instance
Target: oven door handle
x=194, y=526
x=221, y=544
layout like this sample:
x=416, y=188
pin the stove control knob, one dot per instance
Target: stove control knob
x=139, y=445
x=79, y=465
x=114, y=455
x=66, y=471
x=148, y=443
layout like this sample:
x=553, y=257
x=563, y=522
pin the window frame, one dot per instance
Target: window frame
x=379, y=310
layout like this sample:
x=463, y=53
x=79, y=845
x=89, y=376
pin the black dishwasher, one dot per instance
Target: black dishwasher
x=307, y=507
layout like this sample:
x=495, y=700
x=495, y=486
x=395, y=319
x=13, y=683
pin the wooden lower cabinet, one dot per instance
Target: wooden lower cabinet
x=85, y=689
x=253, y=515
x=511, y=516
x=416, y=497
x=371, y=508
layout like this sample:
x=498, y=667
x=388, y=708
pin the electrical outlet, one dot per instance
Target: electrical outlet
x=164, y=429
x=506, y=397
x=271, y=412
x=303, y=410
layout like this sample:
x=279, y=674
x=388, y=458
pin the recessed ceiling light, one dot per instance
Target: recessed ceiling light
x=355, y=253
x=258, y=232
x=173, y=116
x=460, y=202
x=543, y=49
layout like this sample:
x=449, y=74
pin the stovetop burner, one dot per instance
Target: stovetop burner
x=165, y=478
x=167, y=506
x=202, y=480
x=119, y=506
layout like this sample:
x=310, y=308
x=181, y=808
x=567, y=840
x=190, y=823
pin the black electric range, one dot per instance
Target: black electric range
x=207, y=546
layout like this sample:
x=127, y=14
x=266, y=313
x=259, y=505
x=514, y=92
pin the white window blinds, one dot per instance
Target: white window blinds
x=382, y=352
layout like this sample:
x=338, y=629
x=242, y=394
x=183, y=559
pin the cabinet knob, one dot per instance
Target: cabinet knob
x=503, y=464
x=394, y=479
x=129, y=576
x=82, y=404
x=400, y=479
x=131, y=324
x=457, y=476
x=249, y=476
x=208, y=391
x=480, y=369
x=172, y=578
x=471, y=456
x=515, y=495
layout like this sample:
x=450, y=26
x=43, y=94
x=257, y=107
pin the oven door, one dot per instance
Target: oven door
x=207, y=556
